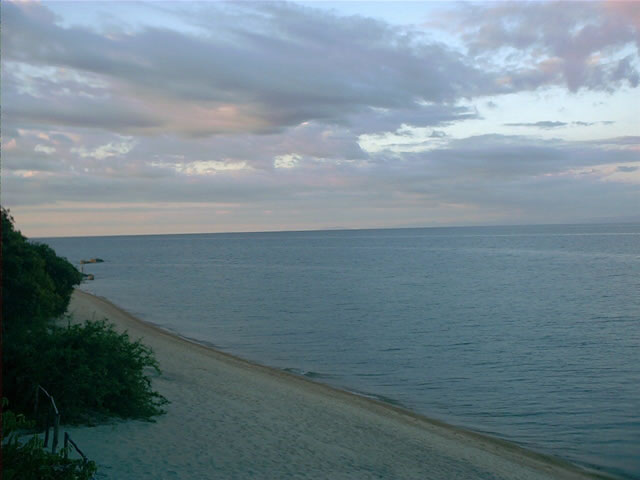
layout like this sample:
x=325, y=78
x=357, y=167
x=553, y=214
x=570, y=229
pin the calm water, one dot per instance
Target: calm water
x=531, y=334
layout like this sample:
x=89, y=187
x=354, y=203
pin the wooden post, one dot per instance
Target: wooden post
x=46, y=428
x=56, y=426
x=35, y=410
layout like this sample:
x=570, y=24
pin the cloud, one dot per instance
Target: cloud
x=209, y=167
x=590, y=124
x=261, y=75
x=136, y=176
x=623, y=142
x=102, y=152
x=263, y=68
x=548, y=124
x=37, y=107
x=541, y=124
x=583, y=45
x=286, y=161
x=10, y=145
x=44, y=149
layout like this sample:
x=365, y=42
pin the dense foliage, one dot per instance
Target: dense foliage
x=90, y=370
x=28, y=460
x=36, y=283
x=36, y=288
x=95, y=372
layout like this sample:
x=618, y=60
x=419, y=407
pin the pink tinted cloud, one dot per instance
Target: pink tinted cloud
x=628, y=11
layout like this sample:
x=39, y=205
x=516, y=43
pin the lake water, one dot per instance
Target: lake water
x=528, y=333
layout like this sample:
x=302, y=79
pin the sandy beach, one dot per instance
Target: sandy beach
x=233, y=419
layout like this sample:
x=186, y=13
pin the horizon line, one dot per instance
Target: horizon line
x=346, y=229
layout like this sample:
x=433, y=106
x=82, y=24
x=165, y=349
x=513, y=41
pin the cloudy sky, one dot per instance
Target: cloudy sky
x=176, y=117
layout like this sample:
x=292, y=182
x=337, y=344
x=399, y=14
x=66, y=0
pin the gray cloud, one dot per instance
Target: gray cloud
x=561, y=43
x=512, y=157
x=543, y=124
x=282, y=66
x=548, y=124
x=589, y=124
x=140, y=176
x=619, y=141
x=264, y=67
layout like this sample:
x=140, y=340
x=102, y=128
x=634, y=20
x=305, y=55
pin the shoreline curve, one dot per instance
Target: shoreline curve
x=482, y=456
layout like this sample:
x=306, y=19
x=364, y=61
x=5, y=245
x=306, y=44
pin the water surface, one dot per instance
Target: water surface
x=531, y=334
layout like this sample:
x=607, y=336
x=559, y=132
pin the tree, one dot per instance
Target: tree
x=36, y=283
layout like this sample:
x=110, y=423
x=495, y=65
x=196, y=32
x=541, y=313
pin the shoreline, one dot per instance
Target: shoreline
x=447, y=448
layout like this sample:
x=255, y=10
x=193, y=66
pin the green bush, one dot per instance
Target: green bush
x=92, y=371
x=28, y=460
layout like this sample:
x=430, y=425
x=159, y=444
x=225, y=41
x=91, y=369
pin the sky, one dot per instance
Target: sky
x=187, y=117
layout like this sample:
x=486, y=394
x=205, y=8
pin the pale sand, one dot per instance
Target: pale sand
x=230, y=418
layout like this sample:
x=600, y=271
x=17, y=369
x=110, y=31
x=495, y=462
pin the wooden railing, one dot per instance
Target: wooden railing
x=52, y=418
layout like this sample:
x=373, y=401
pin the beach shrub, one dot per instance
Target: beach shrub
x=94, y=372
x=28, y=460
